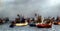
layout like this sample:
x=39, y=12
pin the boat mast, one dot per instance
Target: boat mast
x=42, y=19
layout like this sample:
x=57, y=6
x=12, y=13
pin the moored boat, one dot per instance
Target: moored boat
x=56, y=23
x=4, y=20
x=44, y=25
x=32, y=24
x=21, y=24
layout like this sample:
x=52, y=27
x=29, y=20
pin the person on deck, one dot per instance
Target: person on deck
x=17, y=20
x=19, y=16
x=23, y=20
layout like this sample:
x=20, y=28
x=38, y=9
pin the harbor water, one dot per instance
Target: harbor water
x=5, y=27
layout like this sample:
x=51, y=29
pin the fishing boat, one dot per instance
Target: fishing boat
x=4, y=20
x=56, y=23
x=44, y=25
x=47, y=24
x=21, y=24
x=18, y=24
x=32, y=24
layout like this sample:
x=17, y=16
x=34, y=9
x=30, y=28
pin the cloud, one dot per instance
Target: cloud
x=28, y=7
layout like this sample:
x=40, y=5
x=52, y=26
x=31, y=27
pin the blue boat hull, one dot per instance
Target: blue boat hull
x=32, y=25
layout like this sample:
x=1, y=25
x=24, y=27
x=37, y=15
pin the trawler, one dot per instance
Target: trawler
x=17, y=22
x=21, y=23
x=57, y=21
x=32, y=23
x=46, y=24
x=4, y=20
x=40, y=23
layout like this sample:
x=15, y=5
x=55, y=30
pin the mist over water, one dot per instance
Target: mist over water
x=10, y=8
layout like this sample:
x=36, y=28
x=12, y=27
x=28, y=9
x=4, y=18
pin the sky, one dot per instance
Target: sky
x=45, y=8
